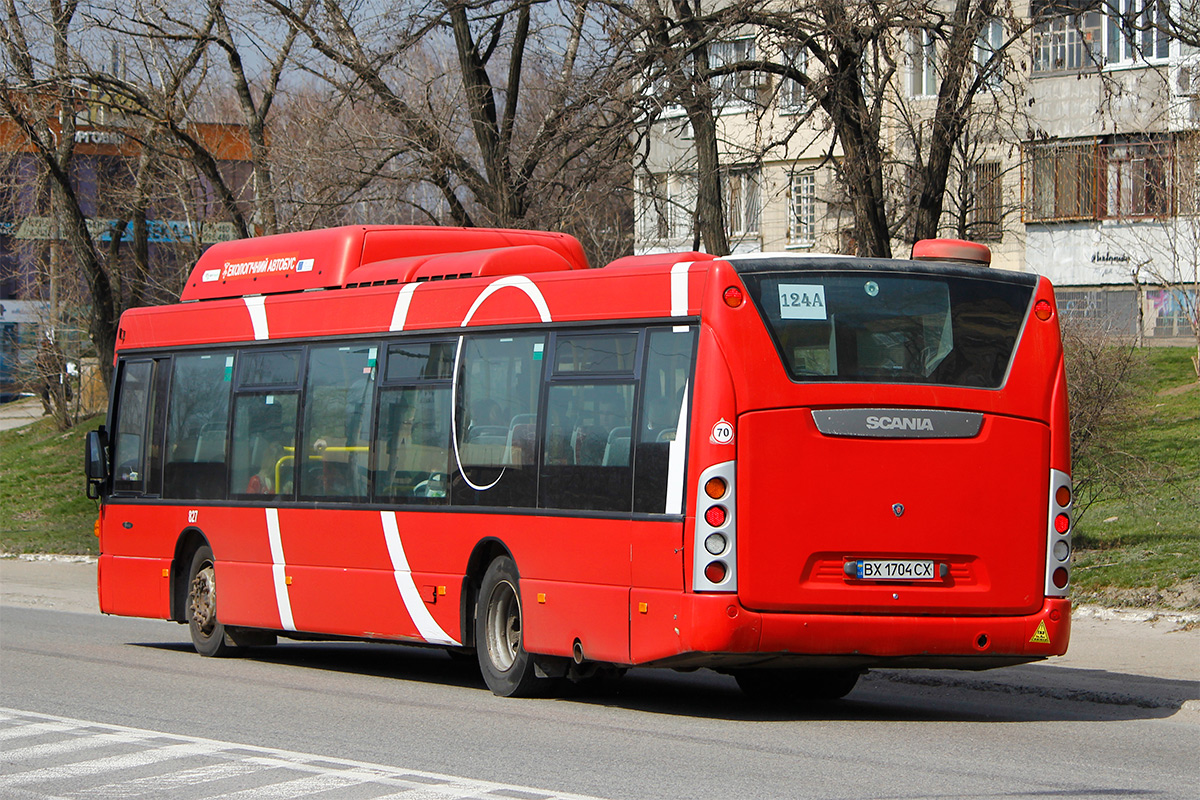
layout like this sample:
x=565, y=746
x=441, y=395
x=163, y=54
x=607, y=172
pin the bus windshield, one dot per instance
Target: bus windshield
x=891, y=327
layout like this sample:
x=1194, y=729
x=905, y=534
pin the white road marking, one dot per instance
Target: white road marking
x=289, y=774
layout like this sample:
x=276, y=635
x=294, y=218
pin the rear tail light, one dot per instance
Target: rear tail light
x=715, y=572
x=1058, y=535
x=1063, y=496
x=1043, y=310
x=734, y=297
x=1060, y=577
x=716, y=531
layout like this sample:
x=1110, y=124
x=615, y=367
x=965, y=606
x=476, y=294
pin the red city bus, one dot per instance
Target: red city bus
x=790, y=469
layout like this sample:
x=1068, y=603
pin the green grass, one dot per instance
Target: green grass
x=1143, y=550
x=43, y=508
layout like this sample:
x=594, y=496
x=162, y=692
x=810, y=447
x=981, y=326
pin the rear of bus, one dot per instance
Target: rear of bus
x=902, y=463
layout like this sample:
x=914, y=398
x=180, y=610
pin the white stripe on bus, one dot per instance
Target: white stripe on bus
x=676, y=451
x=679, y=288
x=427, y=626
x=403, y=301
x=517, y=282
x=279, y=571
x=258, y=316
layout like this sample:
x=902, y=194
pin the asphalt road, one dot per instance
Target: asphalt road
x=94, y=706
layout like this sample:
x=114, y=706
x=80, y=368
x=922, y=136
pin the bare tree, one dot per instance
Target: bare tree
x=492, y=104
x=853, y=70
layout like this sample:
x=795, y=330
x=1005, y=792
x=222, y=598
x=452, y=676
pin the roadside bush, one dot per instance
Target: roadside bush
x=1103, y=399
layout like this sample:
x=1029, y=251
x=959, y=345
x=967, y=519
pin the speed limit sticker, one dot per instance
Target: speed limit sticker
x=722, y=432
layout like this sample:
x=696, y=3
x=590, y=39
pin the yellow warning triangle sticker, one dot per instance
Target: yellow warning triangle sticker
x=1040, y=635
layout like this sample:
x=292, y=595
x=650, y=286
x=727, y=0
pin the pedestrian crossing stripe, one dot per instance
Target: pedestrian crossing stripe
x=1040, y=636
x=104, y=760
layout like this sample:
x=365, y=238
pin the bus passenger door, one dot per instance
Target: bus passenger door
x=133, y=554
x=659, y=462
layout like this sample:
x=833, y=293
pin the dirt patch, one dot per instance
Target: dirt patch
x=1175, y=391
x=1183, y=596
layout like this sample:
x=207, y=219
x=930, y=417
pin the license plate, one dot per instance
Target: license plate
x=887, y=569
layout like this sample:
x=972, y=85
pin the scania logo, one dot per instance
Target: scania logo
x=899, y=423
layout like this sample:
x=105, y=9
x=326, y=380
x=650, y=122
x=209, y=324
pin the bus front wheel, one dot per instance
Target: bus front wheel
x=208, y=635
x=507, y=668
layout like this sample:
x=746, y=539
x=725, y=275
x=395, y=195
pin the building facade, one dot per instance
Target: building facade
x=1081, y=161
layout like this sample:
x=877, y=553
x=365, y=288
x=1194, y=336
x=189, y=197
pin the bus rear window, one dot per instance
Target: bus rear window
x=891, y=328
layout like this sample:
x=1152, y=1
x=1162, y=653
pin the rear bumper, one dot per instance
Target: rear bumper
x=721, y=633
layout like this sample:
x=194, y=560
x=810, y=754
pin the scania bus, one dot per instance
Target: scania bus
x=787, y=468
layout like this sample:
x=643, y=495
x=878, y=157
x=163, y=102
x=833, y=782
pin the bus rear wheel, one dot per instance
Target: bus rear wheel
x=507, y=668
x=208, y=634
x=797, y=685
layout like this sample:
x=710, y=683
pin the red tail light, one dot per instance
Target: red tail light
x=715, y=516
x=1060, y=577
x=715, y=572
x=1063, y=496
x=1062, y=523
x=1043, y=310
x=734, y=297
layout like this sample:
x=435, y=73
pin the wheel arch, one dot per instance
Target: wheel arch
x=486, y=551
x=190, y=540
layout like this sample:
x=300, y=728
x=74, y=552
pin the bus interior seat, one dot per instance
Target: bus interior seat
x=523, y=437
x=210, y=444
x=587, y=445
x=487, y=434
x=616, y=449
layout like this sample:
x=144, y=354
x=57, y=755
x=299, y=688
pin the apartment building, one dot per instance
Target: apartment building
x=1080, y=161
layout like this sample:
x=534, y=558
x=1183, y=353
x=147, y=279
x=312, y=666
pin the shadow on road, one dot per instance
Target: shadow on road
x=1016, y=694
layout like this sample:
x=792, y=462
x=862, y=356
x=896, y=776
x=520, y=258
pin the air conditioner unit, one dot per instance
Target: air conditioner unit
x=1187, y=80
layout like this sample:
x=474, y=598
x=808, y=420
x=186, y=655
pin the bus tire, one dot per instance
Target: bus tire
x=208, y=634
x=797, y=685
x=507, y=668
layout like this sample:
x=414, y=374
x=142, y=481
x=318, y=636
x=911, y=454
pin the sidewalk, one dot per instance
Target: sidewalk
x=20, y=412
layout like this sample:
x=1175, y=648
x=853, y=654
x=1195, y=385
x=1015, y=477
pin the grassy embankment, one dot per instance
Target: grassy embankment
x=1143, y=550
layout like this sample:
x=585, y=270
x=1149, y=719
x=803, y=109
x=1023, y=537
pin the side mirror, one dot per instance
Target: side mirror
x=95, y=464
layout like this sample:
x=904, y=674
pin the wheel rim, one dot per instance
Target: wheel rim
x=202, y=600
x=503, y=626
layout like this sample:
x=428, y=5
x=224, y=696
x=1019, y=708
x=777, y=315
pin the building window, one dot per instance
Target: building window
x=923, y=63
x=665, y=208
x=1138, y=179
x=738, y=87
x=1066, y=42
x=988, y=46
x=1060, y=182
x=987, y=211
x=802, y=227
x=742, y=202
x=792, y=94
x=1135, y=31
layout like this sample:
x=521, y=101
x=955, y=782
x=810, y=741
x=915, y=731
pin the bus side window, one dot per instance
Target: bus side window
x=129, y=434
x=669, y=359
x=586, y=463
x=494, y=459
x=332, y=462
x=197, y=427
x=263, y=449
x=412, y=448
